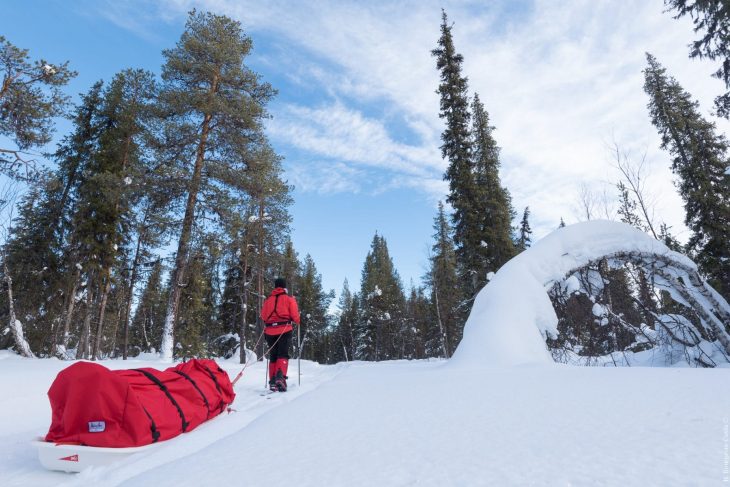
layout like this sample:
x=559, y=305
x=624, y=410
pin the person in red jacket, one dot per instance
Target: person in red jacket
x=279, y=313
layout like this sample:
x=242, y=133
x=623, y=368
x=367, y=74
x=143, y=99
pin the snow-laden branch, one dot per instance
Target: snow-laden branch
x=513, y=315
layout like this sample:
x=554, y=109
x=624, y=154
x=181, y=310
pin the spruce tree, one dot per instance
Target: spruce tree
x=146, y=326
x=32, y=260
x=344, y=331
x=627, y=207
x=457, y=150
x=525, y=240
x=712, y=19
x=213, y=106
x=39, y=247
x=197, y=324
x=420, y=327
x=700, y=160
x=492, y=243
x=313, y=304
x=446, y=295
x=382, y=305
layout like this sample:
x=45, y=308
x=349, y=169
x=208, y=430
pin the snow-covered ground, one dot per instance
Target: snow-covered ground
x=498, y=413
x=414, y=423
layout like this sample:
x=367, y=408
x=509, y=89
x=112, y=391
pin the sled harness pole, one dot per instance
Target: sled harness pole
x=240, y=374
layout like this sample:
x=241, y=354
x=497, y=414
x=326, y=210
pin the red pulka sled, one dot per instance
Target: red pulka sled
x=98, y=410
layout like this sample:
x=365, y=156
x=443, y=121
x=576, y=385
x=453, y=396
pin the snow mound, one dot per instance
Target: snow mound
x=513, y=314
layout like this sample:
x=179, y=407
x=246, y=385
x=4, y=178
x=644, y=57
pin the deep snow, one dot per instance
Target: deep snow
x=415, y=423
x=499, y=413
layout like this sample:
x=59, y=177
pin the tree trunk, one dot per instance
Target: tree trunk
x=244, y=308
x=260, y=277
x=114, y=333
x=82, y=351
x=130, y=293
x=102, y=312
x=16, y=327
x=69, y=311
x=442, y=332
x=182, y=248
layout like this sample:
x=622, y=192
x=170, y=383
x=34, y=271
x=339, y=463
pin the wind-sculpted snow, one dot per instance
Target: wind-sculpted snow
x=513, y=314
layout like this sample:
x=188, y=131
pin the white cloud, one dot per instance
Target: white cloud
x=558, y=79
x=341, y=134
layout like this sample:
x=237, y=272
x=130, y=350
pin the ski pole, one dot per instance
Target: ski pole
x=299, y=353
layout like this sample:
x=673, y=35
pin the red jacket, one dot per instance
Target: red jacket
x=279, y=311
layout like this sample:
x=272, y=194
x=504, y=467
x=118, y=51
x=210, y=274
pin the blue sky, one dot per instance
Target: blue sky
x=357, y=115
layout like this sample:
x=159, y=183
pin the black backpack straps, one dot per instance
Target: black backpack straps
x=153, y=427
x=169, y=396
x=276, y=303
x=205, y=399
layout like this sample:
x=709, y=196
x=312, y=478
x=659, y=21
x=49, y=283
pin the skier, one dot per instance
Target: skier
x=279, y=313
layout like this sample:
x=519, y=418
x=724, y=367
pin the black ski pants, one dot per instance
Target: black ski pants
x=279, y=346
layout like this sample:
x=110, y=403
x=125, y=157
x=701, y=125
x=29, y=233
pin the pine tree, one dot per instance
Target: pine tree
x=525, y=240
x=382, y=305
x=446, y=295
x=30, y=97
x=492, y=244
x=712, y=17
x=700, y=161
x=214, y=105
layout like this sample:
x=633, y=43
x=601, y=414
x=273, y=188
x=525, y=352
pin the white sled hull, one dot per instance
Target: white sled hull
x=75, y=458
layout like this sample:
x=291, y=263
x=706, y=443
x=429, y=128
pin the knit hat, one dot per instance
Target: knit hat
x=280, y=282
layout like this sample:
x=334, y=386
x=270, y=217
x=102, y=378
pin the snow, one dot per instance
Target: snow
x=500, y=412
x=599, y=310
x=412, y=423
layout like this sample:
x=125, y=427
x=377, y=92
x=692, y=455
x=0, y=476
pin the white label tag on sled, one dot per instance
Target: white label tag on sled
x=97, y=426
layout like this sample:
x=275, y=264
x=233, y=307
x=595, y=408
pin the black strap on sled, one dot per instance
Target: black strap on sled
x=205, y=399
x=169, y=396
x=215, y=381
x=153, y=428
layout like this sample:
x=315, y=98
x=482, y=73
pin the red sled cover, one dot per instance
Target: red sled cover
x=95, y=406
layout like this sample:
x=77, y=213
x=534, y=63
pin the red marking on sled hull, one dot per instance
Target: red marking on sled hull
x=71, y=458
